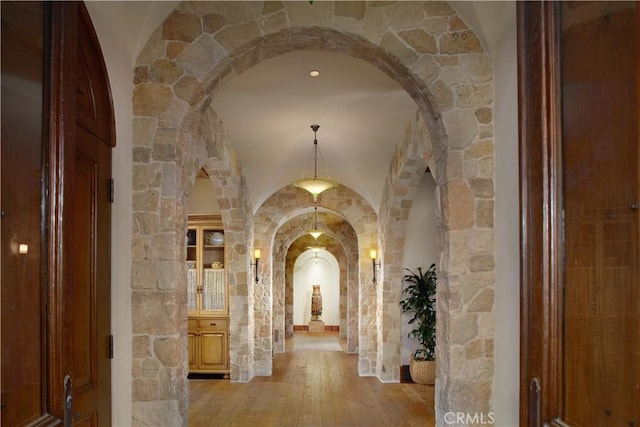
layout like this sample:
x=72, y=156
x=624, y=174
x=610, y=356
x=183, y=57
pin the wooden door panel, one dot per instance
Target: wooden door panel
x=92, y=373
x=192, y=345
x=22, y=295
x=579, y=72
x=213, y=348
x=85, y=285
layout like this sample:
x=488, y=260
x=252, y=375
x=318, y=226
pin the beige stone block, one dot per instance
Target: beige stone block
x=457, y=24
x=437, y=25
x=274, y=23
x=350, y=9
x=483, y=302
x=482, y=187
x=141, y=346
x=141, y=75
x=154, y=49
x=164, y=71
x=460, y=42
x=443, y=95
x=149, y=368
x=474, y=350
x=213, y=22
x=480, y=241
x=146, y=201
x=141, y=155
x=151, y=99
x=396, y=47
x=484, y=115
x=470, y=168
x=374, y=25
x=472, y=95
x=170, y=351
x=144, y=389
x=458, y=207
x=447, y=60
x=479, y=149
x=143, y=130
x=484, y=262
x=145, y=176
x=233, y=37
x=145, y=223
x=236, y=12
x=174, y=49
x=461, y=126
x=419, y=40
x=189, y=90
x=477, y=67
x=486, y=167
x=303, y=14
x=202, y=56
x=404, y=14
x=270, y=7
x=158, y=413
x=182, y=27
x=437, y=8
x=156, y=312
x=464, y=328
x=484, y=213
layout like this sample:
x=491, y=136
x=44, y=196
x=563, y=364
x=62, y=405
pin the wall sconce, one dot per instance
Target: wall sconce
x=374, y=254
x=23, y=249
x=256, y=256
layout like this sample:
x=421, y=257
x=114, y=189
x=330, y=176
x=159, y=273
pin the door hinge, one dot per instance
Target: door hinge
x=111, y=190
x=110, y=346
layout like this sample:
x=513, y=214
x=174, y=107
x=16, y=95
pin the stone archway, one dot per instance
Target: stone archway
x=439, y=62
x=340, y=238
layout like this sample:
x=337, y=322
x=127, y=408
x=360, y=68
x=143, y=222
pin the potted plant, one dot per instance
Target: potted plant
x=420, y=299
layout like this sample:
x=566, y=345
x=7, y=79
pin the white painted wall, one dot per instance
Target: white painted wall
x=122, y=34
x=421, y=248
x=322, y=270
x=507, y=254
x=203, y=199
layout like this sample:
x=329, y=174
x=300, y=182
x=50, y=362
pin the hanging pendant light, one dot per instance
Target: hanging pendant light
x=315, y=185
x=315, y=231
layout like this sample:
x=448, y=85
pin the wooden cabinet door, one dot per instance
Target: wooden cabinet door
x=192, y=347
x=213, y=350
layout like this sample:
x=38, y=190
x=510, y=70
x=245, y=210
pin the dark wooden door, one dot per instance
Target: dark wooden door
x=90, y=234
x=23, y=242
x=580, y=154
x=57, y=134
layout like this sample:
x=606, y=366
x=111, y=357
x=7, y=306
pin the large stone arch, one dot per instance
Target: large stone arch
x=339, y=239
x=279, y=208
x=438, y=61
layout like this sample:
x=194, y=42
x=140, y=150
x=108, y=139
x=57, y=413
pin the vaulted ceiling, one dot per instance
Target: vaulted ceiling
x=268, y=109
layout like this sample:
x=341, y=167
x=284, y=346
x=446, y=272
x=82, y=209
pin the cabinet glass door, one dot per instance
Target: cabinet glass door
x=192, y=272
x=214, y=298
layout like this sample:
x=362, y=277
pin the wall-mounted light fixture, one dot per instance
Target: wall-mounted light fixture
x=315, y=185
x=23, y=249
x=374, y=254
x=256, y=256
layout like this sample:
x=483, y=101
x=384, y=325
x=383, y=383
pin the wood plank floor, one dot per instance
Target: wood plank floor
x=310, y=387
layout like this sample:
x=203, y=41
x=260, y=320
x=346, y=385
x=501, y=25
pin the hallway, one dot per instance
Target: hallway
x=312, y=385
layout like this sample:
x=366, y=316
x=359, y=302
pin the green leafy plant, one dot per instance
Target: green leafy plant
x=421, y=301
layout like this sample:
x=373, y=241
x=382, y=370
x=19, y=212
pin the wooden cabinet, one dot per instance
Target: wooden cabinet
x=208, y=296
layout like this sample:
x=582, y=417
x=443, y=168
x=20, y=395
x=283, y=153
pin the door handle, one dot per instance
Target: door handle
x=68, y=401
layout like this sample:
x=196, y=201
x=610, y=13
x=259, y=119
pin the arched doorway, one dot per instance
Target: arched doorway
x=441, y=65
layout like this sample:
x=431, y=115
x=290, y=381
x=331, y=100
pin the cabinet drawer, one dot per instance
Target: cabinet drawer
x=193, y=325
x=213, y=324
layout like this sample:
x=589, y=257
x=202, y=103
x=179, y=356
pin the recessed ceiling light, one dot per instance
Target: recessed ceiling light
x=314, y=73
